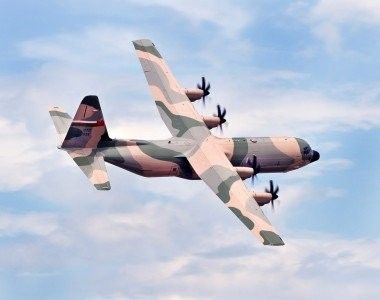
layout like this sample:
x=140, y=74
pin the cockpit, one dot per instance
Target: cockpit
x=307, y=153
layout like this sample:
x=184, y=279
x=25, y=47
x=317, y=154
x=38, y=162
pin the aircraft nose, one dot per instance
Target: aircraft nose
x=315, y=156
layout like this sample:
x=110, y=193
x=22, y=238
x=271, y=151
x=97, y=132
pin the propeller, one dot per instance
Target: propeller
x=252, y=162
x=221, y=114
x=273, y=191
x=205, y=88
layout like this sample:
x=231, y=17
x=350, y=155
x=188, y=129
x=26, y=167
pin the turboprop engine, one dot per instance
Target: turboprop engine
x=211, y=121
x=244, y=172
x=193, y=94
x=262, y=198
x=269, y=196
x=202, y=91
x=216, y=119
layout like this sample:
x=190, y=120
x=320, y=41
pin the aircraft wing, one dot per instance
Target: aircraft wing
x=173, y=105
x=214, y=168
x=206, y=158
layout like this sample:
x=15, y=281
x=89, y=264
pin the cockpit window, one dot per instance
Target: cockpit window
x=306, y=150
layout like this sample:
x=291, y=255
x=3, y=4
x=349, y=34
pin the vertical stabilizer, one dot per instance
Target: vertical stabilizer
x=88, y=129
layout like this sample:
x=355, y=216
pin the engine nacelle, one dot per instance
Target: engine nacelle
x=211, y=121
x=262, y=198
x=244, y=172
x=193, y=94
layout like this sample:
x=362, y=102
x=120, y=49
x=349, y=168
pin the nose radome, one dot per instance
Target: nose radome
x=315, y=156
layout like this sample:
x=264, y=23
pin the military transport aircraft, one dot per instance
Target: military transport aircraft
x=192, y=153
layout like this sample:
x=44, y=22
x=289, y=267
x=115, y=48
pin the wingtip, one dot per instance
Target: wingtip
x=56, y=108
x=106, y=186
x=56, y=111
x=142, y=43
x=271, y=238
x=146, y=45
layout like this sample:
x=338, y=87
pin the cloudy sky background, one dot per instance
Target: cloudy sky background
x=299, y=68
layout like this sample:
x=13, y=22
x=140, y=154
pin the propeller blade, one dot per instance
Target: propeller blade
x=252, y=162
x=221, y=114
x=208, y=87
x=273, y=191
x=205, y=88
x=224, y=112
x=276, y=190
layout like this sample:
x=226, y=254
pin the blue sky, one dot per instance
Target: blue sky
x=298, y=68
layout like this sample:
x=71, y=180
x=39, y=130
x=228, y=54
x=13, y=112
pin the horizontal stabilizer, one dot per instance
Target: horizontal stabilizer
x=62, y=122
x=93, y=166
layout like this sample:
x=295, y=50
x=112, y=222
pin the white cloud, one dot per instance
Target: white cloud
x=93, y=46
x=329, y=146
x=122, y=227
x=35, y=225
x=279, y=111
x=20, y=155
x=329, y=34
x=221, y=262
x=297, y=271
x=279, y=75
x=321, y=168
x=228, y=17
x=341, y=11
x=329, y=19
x=32, y=223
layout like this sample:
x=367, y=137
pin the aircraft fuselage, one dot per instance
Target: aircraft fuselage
x=165, y=157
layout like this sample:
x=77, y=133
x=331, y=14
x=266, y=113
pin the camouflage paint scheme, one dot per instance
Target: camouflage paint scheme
x=192, y=153
x=165, y=157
